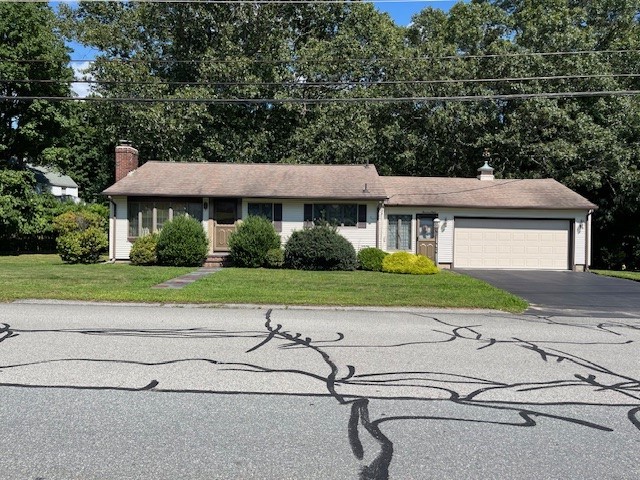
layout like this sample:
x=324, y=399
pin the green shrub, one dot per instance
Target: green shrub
x=370, y=258
x=144, y=250
x=250, y=242
x=81, y=236
x=274, y=258
x=182, y=243
x=319, y=248
x=403, y=262
x=84, y=246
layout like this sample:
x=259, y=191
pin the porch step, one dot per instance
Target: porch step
x=218, y=260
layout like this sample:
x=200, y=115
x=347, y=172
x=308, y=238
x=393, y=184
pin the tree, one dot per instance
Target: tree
x=31, y=50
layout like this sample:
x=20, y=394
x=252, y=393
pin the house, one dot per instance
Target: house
x=57, y=184
x=478, y=222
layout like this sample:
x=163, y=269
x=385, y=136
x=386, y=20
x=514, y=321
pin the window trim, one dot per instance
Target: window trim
x=154, y=212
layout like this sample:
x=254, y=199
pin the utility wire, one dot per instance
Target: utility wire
x=263, y=2
x=326, y=60
x=304, y=84
x=276, y=101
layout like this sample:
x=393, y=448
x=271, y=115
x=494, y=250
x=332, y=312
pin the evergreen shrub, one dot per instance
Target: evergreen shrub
x=371, y=258
x=144, y=250
x=319, y=248
x=182, y=243
x=274, y=258
x=250, y=242
x=403, y=262
x=81, y=236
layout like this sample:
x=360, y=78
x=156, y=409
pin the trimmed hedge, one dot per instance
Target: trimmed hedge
x=250, y=242
x=274, y=258
x=82, y=237
x=319, y=248
x=144, y=250
x=403, y=262
x=182, y=243
x=371, y=258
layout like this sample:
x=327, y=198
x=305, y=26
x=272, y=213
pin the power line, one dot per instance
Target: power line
x=277, y=101
x=304, y=84
x=262, y=2
x=327, y=60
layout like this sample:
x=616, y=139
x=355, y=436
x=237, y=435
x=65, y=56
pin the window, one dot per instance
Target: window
x=149, y=215
x=399, y=232
x=339, y=214
x=270, y=211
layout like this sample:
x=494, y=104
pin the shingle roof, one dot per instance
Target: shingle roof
x=46, y=176
x=473, y=193
x=251, y=180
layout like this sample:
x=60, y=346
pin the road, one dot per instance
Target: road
x=139, y=392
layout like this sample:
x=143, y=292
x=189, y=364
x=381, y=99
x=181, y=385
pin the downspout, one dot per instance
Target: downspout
x=112, y=240
x=587, y=242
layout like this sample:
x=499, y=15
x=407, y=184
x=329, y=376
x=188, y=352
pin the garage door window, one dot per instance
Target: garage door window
x=399, y=233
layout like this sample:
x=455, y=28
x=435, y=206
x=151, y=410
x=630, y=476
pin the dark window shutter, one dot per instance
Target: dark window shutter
x=277, y=217
x=308, y=214
x=362, y=216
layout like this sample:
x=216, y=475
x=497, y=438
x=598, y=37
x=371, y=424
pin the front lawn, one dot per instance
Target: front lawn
x=45, y=276
x=620, y=274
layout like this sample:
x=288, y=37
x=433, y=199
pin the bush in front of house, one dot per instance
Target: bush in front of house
x=182, y=243
x=371, y=258
x=403, y=262
x=250, y=242
x=81, y=236
x=319, y=248
x=274, y=258
x=144, y=250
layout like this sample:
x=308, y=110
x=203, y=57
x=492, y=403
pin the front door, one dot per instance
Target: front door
x=224, y=216
x=426, y=243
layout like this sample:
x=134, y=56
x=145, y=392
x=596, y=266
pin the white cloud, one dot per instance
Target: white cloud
x=80, y=72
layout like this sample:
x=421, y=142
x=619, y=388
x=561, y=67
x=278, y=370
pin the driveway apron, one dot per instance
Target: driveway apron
x=567, y=293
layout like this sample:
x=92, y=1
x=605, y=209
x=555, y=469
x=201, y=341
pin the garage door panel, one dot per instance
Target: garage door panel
x=511, y=243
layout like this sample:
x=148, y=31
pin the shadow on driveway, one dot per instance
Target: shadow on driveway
x=567, y=293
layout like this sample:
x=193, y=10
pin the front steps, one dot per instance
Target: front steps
x=218, y=260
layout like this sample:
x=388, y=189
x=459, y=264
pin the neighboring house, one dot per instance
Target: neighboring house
x=458, y=222
x=61, y=186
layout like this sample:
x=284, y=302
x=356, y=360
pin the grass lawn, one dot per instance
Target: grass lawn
x=45, y=276
x=620, y=274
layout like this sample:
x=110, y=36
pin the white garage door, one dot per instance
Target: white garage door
x=511, y=243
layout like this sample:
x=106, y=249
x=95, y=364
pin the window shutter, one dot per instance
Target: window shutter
x=362, y=216
x=277, y=217
x=308, y=214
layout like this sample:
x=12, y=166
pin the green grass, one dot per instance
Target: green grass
x=45, y=276
x=619, y=274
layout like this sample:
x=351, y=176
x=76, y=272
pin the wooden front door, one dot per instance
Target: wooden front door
x=426, y=243
x=224, y=216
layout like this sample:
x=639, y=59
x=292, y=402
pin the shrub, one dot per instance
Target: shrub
x=274, y=258
x=319, y=248
x=251, y=241
x=84, y=246
x=81, y=236
x=370, y=258
x=182, y=243
x=403, y=262
x=144, y=250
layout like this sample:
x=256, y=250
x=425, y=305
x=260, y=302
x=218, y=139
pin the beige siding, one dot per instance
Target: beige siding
x=123, y=247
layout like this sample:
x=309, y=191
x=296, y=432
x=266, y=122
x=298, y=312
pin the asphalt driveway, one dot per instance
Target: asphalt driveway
x=567, y=293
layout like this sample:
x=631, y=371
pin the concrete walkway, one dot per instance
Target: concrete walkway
x=182, y=281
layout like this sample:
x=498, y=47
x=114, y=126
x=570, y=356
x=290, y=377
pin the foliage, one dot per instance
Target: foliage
x=319, y=248
x=28, y=31
x=370, y=258
x=182, y=243
x=403, y=262
x=274, y=258
x=143, y=250
x=82, y=246
x=81, y=235
x=250, y=242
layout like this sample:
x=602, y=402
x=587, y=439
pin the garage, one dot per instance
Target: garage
x=538, y=244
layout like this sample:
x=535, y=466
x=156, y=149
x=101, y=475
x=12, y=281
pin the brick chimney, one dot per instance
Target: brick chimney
x=126, y=159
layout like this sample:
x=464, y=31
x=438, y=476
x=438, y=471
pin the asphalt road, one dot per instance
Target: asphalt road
x=125, y=392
